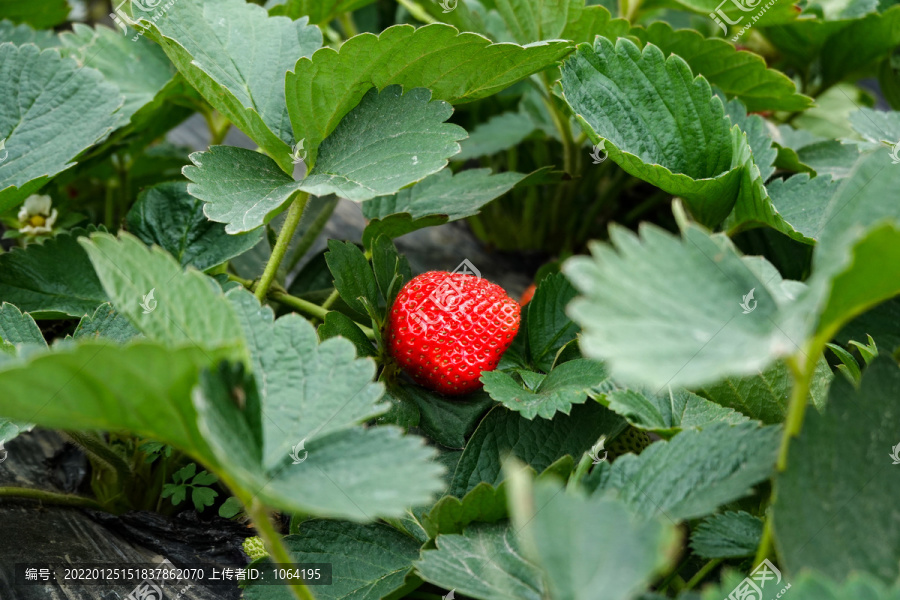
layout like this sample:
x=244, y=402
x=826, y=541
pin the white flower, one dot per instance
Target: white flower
x=37, y=215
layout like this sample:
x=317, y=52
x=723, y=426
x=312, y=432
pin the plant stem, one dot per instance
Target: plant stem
x=702, y=573
x=802, y=374
x=417, y=11
x=331, y=299
x=295, y=212
x=797, y=406
x=583, y=465
x=347, y=24
x=102, y=453
x=312, y=232
x=305, y=306
x=50, y=497
x=260, y=516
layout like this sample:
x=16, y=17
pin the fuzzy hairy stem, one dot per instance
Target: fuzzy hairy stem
x=50, y=497
x=295, y=213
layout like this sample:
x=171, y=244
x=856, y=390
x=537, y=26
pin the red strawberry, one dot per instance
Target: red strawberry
x=446, y=328
x=527, y=295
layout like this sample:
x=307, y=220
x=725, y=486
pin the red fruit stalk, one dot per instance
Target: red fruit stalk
x=445, y=329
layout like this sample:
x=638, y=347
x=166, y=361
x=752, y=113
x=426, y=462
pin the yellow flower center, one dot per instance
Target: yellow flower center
x=37, y=221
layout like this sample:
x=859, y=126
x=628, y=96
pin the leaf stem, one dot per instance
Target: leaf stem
x=310, y=235
x=347, y=24
x=702, y=573
x=417, y=11
x=101, y=452
x=802, y=374
x=305, y=306
x=258, y=513
x=295, y=212
x=50, y=497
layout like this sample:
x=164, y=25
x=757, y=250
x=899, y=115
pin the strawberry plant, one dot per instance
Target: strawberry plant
x=697, y=397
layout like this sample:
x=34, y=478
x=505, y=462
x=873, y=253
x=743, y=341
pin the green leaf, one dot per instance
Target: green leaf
x=230, y=508
x=391, y=269
x=105, y=323
x=138, y=68
x=484, y=504
x=386, y=143
x=24, y=34
x=593, y=21
x=777, y=13
x=175, y=493
x=661, y=310
x=18, y=328
x=358, y=474
x=484, y=562
x=390, y=140
x=857, y=46
x=669, y=411
x=187, y=307
x=877, y=126
x=530, y=21
x=10, y=429
x=738, y=73
x=564, y=386
x=549, y=328
x=765, y=394
x=560, y=531
x=40, y=14
x=241, y=188
x=727, y=535
x=694, y=473
x=44, y=129
x=143, y=388
x=204, y=478
x=675, y=134
x=448, y=423
x=338, y=324
x=537, y=443
x=457, y=196
x=353, y=277
x=51, y=278
x=498, y=133
x=307, y=390
x=854, y=266
x=456, y=67
x=203, y=497
x=834, y=495
x=166, y=215
x=368, y=561
x=236, y=56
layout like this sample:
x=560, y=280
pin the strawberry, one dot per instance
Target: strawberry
x=445, y=329
x=527, y=295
